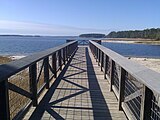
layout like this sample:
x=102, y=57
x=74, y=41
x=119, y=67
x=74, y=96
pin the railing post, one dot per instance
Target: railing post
x=105, y=66
x=94, y=51
x=102, y=60
x=121, y=87
x=60, y=59
x=54, y=64
x=33, y=83
x=96, y=54
x=99, y=54
x=46, y=72
x=146, y=104
x=112, y=65
x=67, y=53
x=64, y=56
x=4, y=101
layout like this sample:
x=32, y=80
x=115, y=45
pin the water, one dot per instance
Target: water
x=135, y=50
x=13, y=45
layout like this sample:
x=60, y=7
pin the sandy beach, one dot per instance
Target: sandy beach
x=6, y=59
x=132, y=40
x=16, y=57
x=151, y=63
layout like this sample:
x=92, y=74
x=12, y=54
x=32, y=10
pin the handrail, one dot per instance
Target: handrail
x=136, y=87
x=13, y=67
x=23, y=80
x=146, y=76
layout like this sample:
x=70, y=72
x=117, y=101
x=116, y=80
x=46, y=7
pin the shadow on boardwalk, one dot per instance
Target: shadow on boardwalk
x=75, y=94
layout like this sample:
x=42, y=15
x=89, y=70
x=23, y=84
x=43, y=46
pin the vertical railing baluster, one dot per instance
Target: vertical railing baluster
x=146, y=104
x=4, y=101
x=54, y=64
x=121, y=87
x=46, y=71
x=33, y=83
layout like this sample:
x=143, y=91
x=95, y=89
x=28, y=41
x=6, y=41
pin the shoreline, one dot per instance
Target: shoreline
x=8, y=58
x=150, y=63
x=132, y=41
x=16, y=57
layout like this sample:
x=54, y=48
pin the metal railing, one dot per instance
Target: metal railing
x=136, y=87
x=22, y=81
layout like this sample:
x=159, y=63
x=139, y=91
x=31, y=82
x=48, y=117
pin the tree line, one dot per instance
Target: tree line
x=92, y=35
x=152, y=33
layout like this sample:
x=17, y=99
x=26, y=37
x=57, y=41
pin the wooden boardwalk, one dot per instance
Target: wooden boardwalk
x=80, y=93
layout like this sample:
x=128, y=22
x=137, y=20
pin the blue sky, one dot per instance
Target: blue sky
x=73, y=17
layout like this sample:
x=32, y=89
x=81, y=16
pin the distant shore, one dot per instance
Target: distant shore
x=132, y=40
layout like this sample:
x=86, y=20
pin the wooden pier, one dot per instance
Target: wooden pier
x=78, y=82
x=81, y=94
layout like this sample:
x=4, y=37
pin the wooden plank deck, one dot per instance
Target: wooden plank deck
x=80, y=93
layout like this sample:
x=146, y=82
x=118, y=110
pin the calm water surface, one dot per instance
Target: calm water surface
x=13, y=45
x=135, y=50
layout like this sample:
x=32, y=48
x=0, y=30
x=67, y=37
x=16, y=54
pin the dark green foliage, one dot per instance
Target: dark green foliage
x=92, y=35
x=147, y=33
